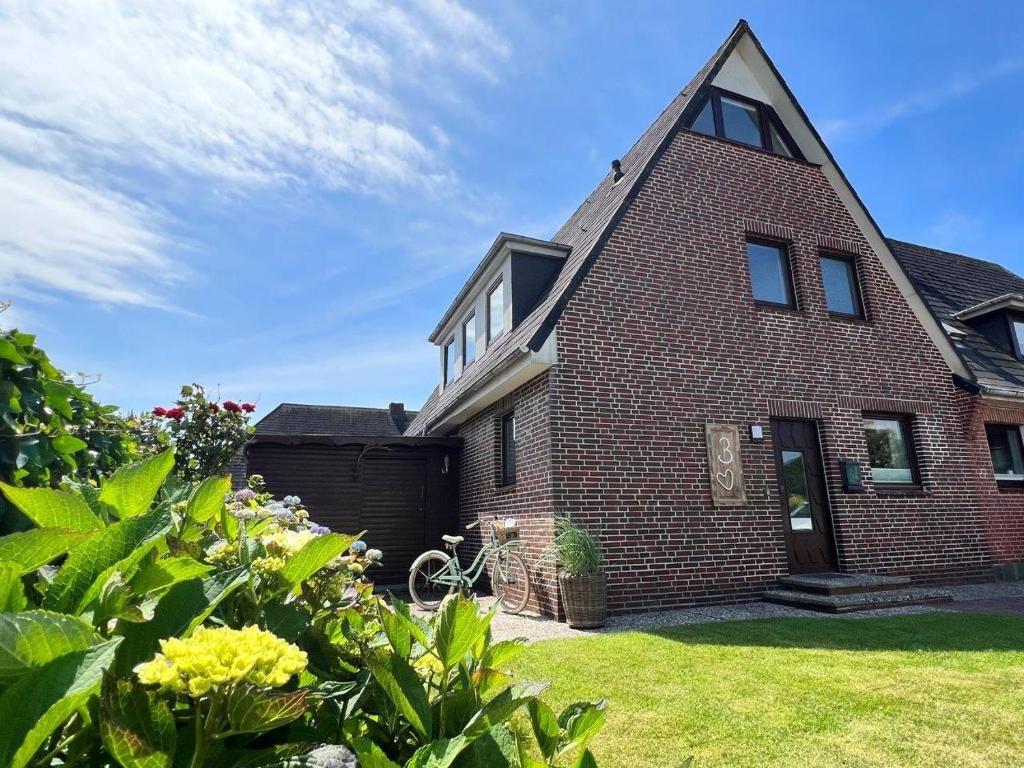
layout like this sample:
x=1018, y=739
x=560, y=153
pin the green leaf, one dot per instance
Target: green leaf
x=154, y=576
x=49, y=508
x=397, y=632
x=545, y=727
x=207, y=500
x=438, y=754
x=457, y=627
x=502, y=653
x=585, y=760
x=581, y=722
x=251, y=710
x=68, y=444
x=137, y=727
x=403, y=686
x=418, y=628
x=179, y=611
x=9, y=352
x=131, y=489
x=315, y=555
x=497, y=748
x=87, y=568
x=300, y=756
x=12, y=591
x=34, y=548
x=39, y=703
x=371, y=755
x=35, y=638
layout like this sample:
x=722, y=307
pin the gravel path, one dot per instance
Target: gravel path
x=984, y=598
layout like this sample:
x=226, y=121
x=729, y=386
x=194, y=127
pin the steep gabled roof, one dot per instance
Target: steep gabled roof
x=585, y=232
x=951, y=283
x=336, y=420
x=589, y=228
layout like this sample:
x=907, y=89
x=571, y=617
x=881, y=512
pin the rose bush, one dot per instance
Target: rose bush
x=155, y=624
x=204, y=433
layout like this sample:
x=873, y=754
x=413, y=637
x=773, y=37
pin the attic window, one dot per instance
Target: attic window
x=1018, y=337
x=737, y=118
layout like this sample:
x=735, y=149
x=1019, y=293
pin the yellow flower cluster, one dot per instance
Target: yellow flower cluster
x=267, y=565
x=222, y=656
x=286, y=542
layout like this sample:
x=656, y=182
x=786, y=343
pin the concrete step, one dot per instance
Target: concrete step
x=858, y=601
x=842, y=583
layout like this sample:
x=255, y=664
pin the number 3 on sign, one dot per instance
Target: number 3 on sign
x=724, y=465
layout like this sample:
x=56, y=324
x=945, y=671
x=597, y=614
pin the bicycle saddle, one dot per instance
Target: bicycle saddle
x=453, y=540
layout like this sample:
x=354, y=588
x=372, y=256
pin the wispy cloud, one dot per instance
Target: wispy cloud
x=913, y=104
x=234, y=96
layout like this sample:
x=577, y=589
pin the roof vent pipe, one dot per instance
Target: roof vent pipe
x=617, y=173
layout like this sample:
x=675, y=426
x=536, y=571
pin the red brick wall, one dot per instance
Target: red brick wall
x=663, y=336
x=1002, y=509
x=529, y=500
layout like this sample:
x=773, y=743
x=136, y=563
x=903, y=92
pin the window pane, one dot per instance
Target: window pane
x=887, y=451
x=741, y=122
x=508, y=449
x=769, y=276
x=840, y=286
x=1004, y=443
x=1018, y=331
x=779, y=145
x=796, y=491
x=496, y=310
x=705, y=122
x=449, y=361
x=469, y=341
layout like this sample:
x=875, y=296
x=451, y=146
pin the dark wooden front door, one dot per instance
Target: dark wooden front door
x=805, y=514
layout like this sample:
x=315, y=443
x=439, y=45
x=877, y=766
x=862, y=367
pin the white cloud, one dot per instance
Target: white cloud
x=235, y=95
x=913, y=104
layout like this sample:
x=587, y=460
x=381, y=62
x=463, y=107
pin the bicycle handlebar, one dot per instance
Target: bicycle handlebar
x=473, y=525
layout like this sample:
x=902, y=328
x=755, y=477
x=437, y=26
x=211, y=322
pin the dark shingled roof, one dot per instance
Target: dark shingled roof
x=585, y=232
x=950, y=283
x=337, y=420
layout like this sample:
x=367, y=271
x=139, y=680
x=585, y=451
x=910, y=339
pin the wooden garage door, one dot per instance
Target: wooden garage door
x=392, y=512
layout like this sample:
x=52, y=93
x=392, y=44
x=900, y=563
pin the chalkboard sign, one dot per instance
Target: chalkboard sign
x=724, y=465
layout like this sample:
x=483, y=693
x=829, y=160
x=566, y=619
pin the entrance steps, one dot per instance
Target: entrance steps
x=846, y=592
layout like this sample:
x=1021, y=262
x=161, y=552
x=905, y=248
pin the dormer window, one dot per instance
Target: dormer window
x=449, y=362
x=737, y=118
x=1018, y=336
x=495, y=311
x=469, y=341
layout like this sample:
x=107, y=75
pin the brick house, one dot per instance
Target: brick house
x=721, y=367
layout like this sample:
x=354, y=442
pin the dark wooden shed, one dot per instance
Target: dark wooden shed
x=403, y=491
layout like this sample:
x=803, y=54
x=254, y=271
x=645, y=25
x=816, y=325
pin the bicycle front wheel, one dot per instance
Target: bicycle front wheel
x=510, y=582
x=424, y=588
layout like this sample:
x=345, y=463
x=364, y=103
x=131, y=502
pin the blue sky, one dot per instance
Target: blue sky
x=281, y=198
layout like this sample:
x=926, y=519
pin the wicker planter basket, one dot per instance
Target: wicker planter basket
x=585, y=598
x=506, y=535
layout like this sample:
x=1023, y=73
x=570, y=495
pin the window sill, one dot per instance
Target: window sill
x=1010, y=486
x=854, y=319
x=901, y=490
x=502, y=487
x=784, y=309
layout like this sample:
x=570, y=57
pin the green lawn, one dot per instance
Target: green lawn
x=928, y=690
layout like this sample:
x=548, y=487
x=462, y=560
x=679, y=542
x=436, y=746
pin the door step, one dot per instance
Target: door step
x=842, y=583
x=843, y=593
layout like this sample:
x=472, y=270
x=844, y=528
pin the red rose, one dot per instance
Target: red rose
x=248, y=407
x=214, y=407
x=159, y=411
x=175, y=413
x=231, y=405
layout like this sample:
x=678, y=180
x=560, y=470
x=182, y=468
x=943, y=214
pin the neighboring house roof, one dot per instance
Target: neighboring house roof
x=951, y=283
x=336, y=420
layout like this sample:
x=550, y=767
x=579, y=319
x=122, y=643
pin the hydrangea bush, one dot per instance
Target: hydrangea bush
x=154, y=624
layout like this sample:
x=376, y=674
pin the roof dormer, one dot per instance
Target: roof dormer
x=1000, y=320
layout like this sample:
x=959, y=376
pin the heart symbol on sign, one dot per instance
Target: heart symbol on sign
x=726, y=479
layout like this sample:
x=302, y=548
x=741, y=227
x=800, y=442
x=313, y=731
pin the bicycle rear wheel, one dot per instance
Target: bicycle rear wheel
x=510, y=581
x=426, y=592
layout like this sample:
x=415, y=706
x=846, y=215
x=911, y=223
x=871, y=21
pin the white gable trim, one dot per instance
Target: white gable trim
x=747, y=60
